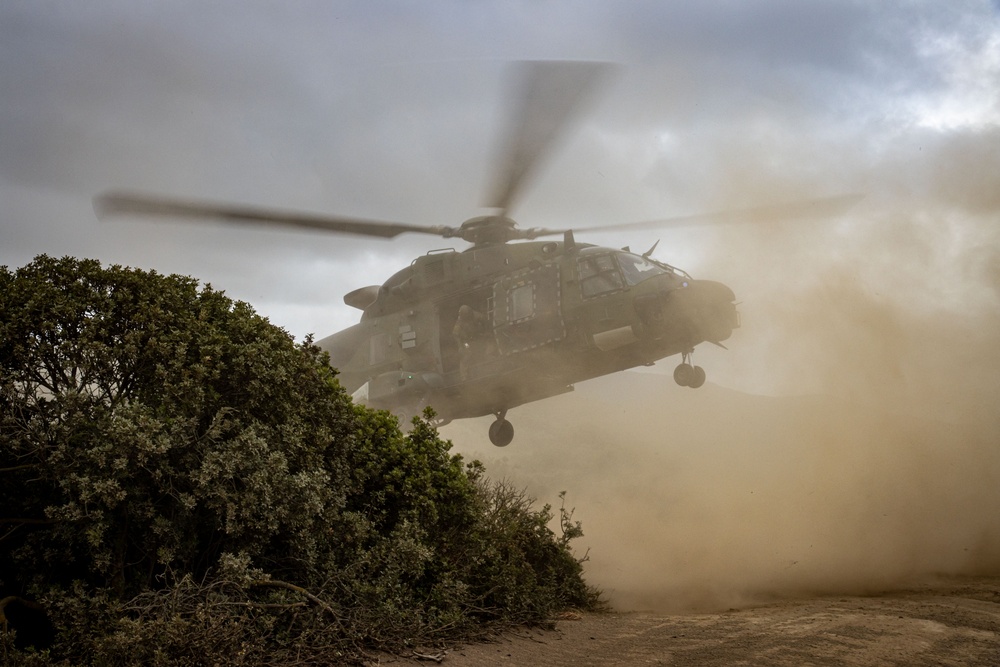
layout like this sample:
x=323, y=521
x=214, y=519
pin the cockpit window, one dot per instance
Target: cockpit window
x=599, y=274
x=637, y=269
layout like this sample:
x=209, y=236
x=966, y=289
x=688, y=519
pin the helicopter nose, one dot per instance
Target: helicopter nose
x=710, y=291
x=711, y=309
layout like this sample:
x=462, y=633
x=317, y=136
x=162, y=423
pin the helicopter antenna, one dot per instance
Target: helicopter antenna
x=569, y=242
x=649, y=252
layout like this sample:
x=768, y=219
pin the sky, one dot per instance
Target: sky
x=392, y=111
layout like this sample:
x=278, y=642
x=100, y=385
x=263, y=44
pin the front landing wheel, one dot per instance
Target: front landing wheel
x=698, y=378
x=501, y=432
x=687, y=375
x=684, y=374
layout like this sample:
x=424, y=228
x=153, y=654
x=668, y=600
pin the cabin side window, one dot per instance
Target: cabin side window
x=522, y=303
x=599, y=274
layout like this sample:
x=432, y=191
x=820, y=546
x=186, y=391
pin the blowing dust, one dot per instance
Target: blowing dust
x=856, y=449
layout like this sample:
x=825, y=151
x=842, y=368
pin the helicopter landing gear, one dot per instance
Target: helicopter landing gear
x=405, y=418
x=687, y=375
x=406, y=412
x=501, y=431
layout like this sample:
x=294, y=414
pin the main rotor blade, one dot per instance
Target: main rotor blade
x=545, y=98
x=806, y=209
x=122, y=203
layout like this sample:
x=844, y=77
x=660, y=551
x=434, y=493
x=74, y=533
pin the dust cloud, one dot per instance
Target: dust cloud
x=848, y=442
x=714, y=498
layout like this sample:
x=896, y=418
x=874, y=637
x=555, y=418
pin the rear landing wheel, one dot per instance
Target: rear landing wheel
x=501, y=432
x=405, y=418
x=699, y=377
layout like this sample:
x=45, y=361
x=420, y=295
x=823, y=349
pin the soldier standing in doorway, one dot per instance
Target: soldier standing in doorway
x=470, y=334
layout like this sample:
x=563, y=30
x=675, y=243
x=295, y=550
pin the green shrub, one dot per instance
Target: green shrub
x=181, y=483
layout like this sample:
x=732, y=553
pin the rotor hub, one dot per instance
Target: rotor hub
x=489, y=230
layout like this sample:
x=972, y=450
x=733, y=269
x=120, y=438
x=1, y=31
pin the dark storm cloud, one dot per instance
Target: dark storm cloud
x=832, y=35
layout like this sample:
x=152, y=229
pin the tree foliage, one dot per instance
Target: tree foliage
x=178, y=476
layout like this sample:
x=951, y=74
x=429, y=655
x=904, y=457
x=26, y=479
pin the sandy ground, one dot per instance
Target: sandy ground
x=952, y=622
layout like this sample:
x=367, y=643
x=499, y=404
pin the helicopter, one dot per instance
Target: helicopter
x=511, y=319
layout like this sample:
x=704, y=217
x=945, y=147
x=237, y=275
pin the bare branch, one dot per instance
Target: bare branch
x=21, y=467
x=274, y=583
x=25, y=521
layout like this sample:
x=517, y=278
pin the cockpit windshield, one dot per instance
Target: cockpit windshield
x=636, y=269
x=603, y=271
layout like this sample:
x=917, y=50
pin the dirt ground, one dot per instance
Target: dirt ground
x=951, y=622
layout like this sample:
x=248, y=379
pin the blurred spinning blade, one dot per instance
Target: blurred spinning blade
x=546, y=97
x=130, y=203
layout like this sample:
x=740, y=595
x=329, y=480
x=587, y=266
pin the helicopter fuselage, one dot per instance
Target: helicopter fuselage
x=511, y=319
x=481, y=331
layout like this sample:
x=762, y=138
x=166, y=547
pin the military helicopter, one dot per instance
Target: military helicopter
x=510, y=319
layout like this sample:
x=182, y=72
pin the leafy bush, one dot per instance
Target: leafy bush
x=182, y=483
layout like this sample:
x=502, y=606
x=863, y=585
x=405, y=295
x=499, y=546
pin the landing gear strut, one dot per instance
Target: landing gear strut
x=501, y=431
x=687, y=375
